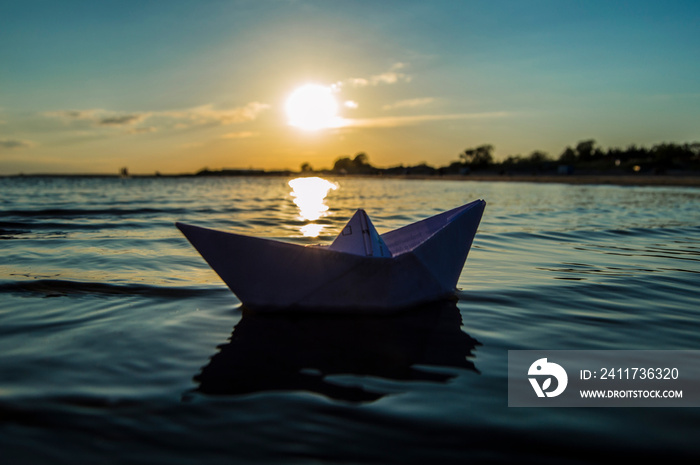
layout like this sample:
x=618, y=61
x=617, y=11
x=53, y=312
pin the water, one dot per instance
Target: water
x=117, y=342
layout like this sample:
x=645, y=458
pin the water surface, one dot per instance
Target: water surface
x=119, y=344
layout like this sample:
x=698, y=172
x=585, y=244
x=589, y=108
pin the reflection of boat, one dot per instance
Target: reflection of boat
x=295, y=352
x=360, y=271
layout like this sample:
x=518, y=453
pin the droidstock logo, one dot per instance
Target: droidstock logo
x=542, y=368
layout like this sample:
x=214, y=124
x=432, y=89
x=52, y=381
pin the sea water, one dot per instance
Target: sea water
x=118, y=344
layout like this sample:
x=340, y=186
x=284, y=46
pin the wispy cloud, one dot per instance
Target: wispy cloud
x=392, y=76
x=410, y=103
x=203, y=115
x=98, y=117
x=240, y=135
x=142, y=130
x=207, y=114
x=75, y=115
x=12, y=144
x=122, y=120
x=397, y=121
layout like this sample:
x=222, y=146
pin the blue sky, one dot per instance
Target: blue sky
x=176, y=86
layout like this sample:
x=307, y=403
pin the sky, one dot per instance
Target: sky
x=178, y=86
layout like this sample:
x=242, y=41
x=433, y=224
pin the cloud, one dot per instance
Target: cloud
x=203, y=115
x=392, y=76
x=12, y=144
x=410, y=103
x=240, y=135
x=397, y=121
x=351, y=104
x=122, y=120
x=143, y=130
x=72, y=115
x=98, y=117
x=208, y=114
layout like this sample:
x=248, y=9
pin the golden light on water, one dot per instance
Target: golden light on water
x=309, y=196
x=311, y=230
x=312, y=107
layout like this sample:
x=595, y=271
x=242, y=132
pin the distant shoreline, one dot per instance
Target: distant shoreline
x=678, y=180
x=597, y=179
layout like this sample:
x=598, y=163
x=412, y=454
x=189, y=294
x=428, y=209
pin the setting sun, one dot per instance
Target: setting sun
x=312, y=107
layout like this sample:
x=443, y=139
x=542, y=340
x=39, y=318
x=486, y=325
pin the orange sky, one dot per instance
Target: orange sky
x=95, y=87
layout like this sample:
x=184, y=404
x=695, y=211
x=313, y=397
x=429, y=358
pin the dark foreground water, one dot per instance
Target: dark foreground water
x=119, y=345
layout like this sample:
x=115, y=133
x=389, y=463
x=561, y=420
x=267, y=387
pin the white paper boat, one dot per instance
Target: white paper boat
x=360, y=271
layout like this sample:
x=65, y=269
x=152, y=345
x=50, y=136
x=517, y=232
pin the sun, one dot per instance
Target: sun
x=312, y=107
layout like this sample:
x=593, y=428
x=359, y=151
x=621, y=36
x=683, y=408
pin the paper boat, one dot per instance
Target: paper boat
x=360, y=271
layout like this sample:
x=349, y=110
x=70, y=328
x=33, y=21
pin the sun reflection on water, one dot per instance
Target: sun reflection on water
x=310, y=197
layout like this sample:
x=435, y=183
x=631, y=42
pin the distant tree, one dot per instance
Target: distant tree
x=636, y=153
x=358, y=165
x=694, y=149
x=535, y=160
x=421, y=169
x=343, y=164
x=456, y=167
x=479, y=157
x=361, y=162
x=538, y=157
x=306, y=167
x=512, y=160
x=669, y=155
x=568, y=156
x=585, y=150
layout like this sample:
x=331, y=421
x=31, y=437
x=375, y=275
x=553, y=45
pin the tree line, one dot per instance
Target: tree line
x=585, y=156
